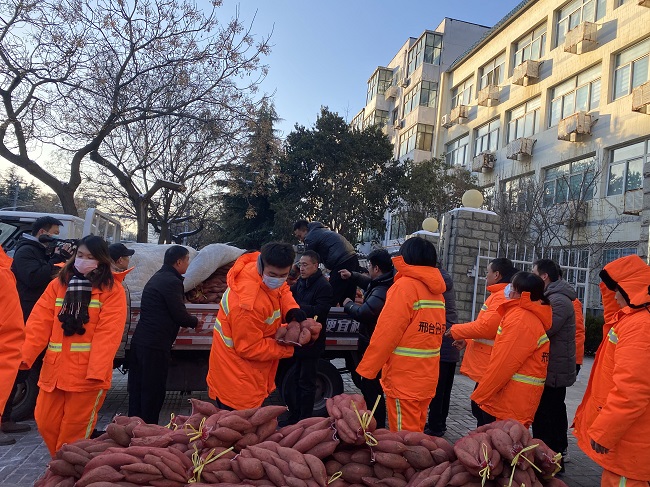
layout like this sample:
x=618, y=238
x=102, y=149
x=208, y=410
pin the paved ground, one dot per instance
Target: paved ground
x=21, y=464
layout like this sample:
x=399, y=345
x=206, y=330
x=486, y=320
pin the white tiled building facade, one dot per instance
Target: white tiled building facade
x=556, y=94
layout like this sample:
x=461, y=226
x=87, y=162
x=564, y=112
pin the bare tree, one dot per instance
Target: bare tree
x=76, y=72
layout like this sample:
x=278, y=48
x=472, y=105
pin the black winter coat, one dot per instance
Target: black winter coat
x=314, y=296
x=562, y=335
x=374, y=298
x=333, y=249
x=449, y=353
x=162, y=311
x=34, y=270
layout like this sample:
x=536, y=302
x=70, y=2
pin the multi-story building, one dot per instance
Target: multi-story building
x=554, y=101
x=403, y=95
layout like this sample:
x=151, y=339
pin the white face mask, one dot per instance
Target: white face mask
x=273, y=282
x=85, y=265
x=507, y=290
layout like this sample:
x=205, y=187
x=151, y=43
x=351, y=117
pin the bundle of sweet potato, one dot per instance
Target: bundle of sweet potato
x=299, y=334
x=211, y=290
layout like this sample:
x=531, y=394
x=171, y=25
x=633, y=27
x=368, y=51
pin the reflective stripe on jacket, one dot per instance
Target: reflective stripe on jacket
x=12, y=328
x=244, y=356
x=615, y=410
x=406, y=342
x=480, y=334
x=76, y=363
x=513, y=383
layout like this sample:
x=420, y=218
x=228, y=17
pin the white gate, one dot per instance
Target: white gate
x=575, y=264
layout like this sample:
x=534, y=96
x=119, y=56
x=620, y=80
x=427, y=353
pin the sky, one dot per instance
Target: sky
x=324, y=51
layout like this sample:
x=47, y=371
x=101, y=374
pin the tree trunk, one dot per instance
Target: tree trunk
x=66, y=196
x=164, y=233
x=142, y=220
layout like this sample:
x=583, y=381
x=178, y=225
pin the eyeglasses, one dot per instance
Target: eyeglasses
x=305, y=264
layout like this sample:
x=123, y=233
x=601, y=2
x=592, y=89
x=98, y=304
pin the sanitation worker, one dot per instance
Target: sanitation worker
x=79, y=319
x=406, y=342
x=612, y=423
x=513, y=382
x=12, y=334
x=245, y=354
x=479, y=334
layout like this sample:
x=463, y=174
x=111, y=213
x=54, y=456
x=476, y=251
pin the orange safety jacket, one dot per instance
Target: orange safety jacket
x=245, y=355
x=615, y=410
x=406, y=342
x=480, y=334
x=12, y=329
x=513, y=383
x=76, y=363
x=580, y=331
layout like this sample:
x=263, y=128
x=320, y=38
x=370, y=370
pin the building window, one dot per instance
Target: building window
x=425, y=94
x=376, y=117
x=426, y=50
x=610, y=255
x=577, y=12
x=517, y=193
x=462, y=93
x=487, y=137
x=631, y=68
x=379, y=83
x=488, y=198
x=456, y=151
x=492, y=72
x=569, y=182
x=418, y=137
x=531, y=46
x=580, y=93
x=357, y=121
x=626, y=169
x=395, y=115
x=524, y=120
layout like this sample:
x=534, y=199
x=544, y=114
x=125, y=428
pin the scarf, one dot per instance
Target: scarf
x=74, y=312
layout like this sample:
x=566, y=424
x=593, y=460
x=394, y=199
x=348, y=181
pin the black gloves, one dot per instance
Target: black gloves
x=295, y=314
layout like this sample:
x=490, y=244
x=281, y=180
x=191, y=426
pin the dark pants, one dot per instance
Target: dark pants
x=301, y=405
x=147, y=382
x=439, y=405
x=343, y=288
x=217, y=402
x=551, y=423
x=371, y=388
x=9, y=405
x=482, y=418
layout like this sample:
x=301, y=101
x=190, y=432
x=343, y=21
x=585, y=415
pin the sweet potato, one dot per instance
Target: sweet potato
x=63, y=468
x=203, y=407
x=236, y=423
x=304, y=336
x=361, y=456
x=100, y=474
x=273, y=473
x=332, y=408
x=393, y=482
x=311, y=440
x=390, y=446
x=392, y=460
x=145, y=468
x=295, y=482
x=354, y=472
x=118, y=434
x=419, y=457
x=226, y=476
x=382, y=472
x=324, y=450
x=281, y=333
x=266, y=414
x=460, y=479
x=247, y=440
x=227, y=435
x=74, y=458
x=251, y=467
x=265, y=430
x=144, y=430
x=283, y=465
x=153, y=441
x=317, y=468
x=141, y=478
x=166, y=483
x=291, y=439
x=167, y=472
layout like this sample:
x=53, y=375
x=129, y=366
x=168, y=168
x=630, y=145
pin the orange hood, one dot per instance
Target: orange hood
x=245, y=280
x=120, y=276
x=430, y=276
x=631, y=276
x=542, y=311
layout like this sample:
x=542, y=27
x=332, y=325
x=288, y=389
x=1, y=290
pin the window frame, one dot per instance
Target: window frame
x=378, y=83
x=492, y=66
x=491, y=136
x=536, y=112
x=625, y=162
x=422, y=50
x=530, y=39
x=457, y=146
x=562, y=183
x=599, y=13
x=617, y=68
x=465, y=88
x=590, y=84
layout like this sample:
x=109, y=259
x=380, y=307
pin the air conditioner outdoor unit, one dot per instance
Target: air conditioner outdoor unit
x=574, y=126
x=520, y=148
x=641, y=98
x=398, y=125
x=446, y=121
x=484, y=162
x=404, y=82
x=633, y=202
x=575, y=216
x=581, y=38
x=391, y=92
x=526, y=72
x=458, y=114
x=489, y=96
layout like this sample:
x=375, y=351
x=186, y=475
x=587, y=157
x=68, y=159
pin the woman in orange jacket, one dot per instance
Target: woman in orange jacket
x=405, y=345
x=479, y=334
x=79, y=319
x=12, y=334
x=513, y=383
x=612, y=424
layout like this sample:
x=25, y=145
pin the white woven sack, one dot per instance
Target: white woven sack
x=208, y=260
x=147, y=260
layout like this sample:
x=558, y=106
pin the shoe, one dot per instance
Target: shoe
x=13, y=427
x=6, y=439
x=566, y=457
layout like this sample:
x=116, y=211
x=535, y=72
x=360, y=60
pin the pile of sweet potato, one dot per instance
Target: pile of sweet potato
x=299, y=334
x=211, y=290
x=224, y=448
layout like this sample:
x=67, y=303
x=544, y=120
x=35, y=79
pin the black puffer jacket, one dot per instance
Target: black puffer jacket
x=562, y=335
x=162, y=311
x=374, y=299
x=333, y=249
x=314, y=296
x=33, y=270
x=449, y=353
